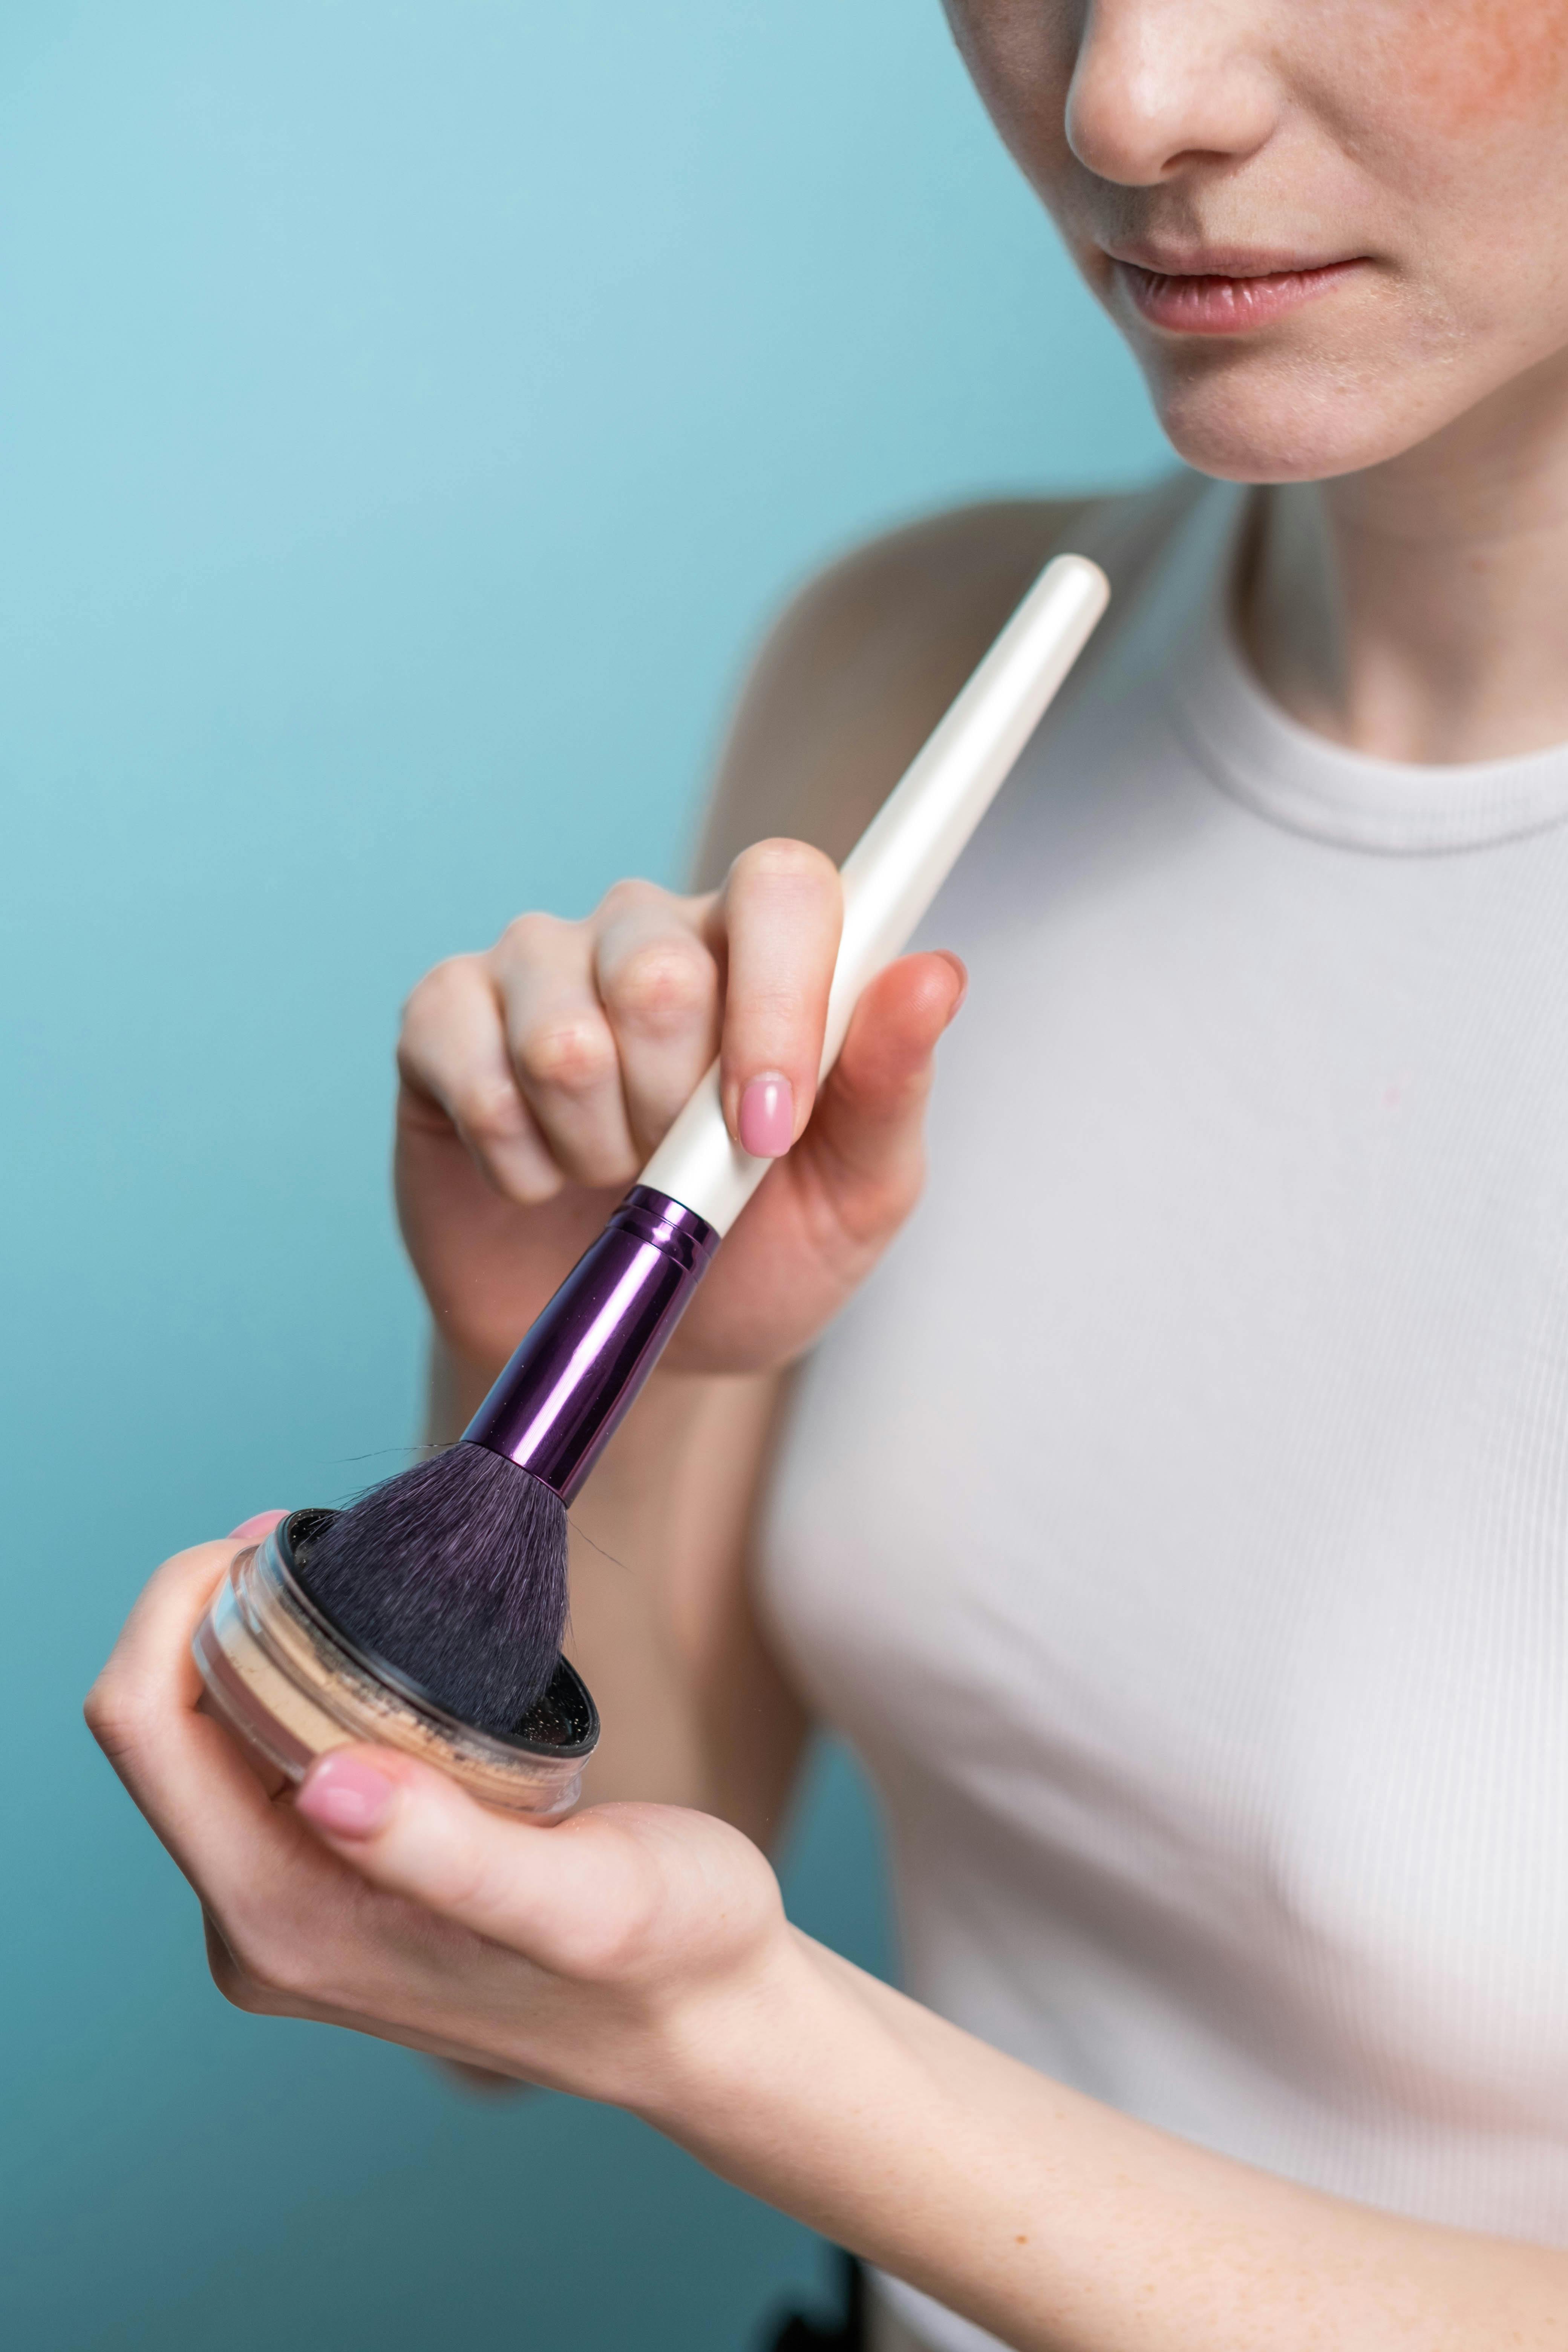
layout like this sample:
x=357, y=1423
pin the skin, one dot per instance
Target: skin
x=1406, y=573
x=1413, y=415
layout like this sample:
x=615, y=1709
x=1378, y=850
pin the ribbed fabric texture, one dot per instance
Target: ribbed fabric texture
x=1178, y=1522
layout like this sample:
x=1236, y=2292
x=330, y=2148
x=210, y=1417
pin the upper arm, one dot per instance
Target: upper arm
x=860, y=667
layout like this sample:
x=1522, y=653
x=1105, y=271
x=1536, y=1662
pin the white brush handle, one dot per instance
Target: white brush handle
x=904, y=857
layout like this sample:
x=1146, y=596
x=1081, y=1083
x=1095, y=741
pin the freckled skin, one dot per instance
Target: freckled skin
x=1490, y=62
x=1426, y=139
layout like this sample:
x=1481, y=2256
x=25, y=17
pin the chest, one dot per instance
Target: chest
x=1188, y=1494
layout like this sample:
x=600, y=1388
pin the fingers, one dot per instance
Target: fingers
x=658, y=983
x=563, y=1055
x=574, y=1898
x=150, y=1665
x=285, y=1927
x=253, y=1529
x=453, y=1054
x=562, y=1049
x=289, y=1931
x=183, y=1771
x=782, y=912
x=868, y=1131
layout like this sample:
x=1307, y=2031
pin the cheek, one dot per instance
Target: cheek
x=1457, y=112
x=1020, y=55
x=1474, y=63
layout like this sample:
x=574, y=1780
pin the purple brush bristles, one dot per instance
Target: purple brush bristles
x=479, y=1626
x=455, y=1573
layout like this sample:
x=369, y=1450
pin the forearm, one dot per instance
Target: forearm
x=638, y=1955
x=1053, y=2222
x=454, y=1390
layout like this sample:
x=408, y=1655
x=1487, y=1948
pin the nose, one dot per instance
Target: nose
x=1160, y=85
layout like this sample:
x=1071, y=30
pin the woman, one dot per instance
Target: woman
x=1176, y=1522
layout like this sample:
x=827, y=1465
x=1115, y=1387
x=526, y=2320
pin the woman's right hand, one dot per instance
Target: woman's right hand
x=537, y=1078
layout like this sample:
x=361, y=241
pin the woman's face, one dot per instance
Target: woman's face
x=1327, y=227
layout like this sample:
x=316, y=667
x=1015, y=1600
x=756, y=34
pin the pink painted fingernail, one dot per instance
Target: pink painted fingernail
x=767, y=1116
x=345, y=1797
x=259, y=1524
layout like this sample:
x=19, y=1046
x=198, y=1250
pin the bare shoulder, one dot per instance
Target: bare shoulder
x=861, y=665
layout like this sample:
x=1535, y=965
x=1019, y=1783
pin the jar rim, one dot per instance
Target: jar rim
x=566, y=1700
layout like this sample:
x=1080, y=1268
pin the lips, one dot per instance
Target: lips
x=1230, y=299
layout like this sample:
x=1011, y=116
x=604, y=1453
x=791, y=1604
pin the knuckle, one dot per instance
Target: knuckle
x=529, y=937
x=629, y=897
x=270, y=1971
x=255, y=1995
x=534, y=1183
x=602, y=1164
x=239, y=1990
x=112, y=1717
x=662, y=987
x=489, y=1112
x=435, y=990
x=568, y=1057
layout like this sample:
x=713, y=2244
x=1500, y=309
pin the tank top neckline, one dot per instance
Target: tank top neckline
x=1282, y=771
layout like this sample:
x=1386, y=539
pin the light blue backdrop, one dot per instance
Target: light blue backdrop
x=409, y=411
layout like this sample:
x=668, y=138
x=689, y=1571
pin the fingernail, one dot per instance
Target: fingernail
x=349, y=1799
x=767, y=1116
x=962, y=972
x=259, y=1524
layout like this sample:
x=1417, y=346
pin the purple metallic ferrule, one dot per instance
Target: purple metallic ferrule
x=556, y=1405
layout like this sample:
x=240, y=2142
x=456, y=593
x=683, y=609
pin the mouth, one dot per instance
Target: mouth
x=1230, y=294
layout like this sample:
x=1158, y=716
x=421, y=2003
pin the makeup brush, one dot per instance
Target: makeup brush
x=454, y=1573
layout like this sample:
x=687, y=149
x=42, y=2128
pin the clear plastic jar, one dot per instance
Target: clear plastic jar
x=278, y=1672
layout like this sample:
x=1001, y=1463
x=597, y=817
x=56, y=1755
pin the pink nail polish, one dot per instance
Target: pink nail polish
x=345, y=1797
x=767, y=1116
x=259, y=1524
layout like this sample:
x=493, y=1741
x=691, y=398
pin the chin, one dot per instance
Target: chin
x=1250, y=419
x=1285, y=417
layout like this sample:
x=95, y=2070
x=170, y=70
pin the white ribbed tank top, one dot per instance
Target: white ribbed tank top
x=1177, y=1523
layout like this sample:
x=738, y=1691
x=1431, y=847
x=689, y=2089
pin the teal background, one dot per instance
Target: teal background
x=410, y=411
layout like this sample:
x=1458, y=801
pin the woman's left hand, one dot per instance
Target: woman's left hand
x=592, y=1956
x=640, y=1954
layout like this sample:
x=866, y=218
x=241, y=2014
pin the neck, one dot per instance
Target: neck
x=1420, y=611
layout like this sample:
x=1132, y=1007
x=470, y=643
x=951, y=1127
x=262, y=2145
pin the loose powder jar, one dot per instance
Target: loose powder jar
x=280, y=1674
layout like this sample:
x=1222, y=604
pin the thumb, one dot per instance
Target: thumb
x=543, y=1891
x=867, y=1125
